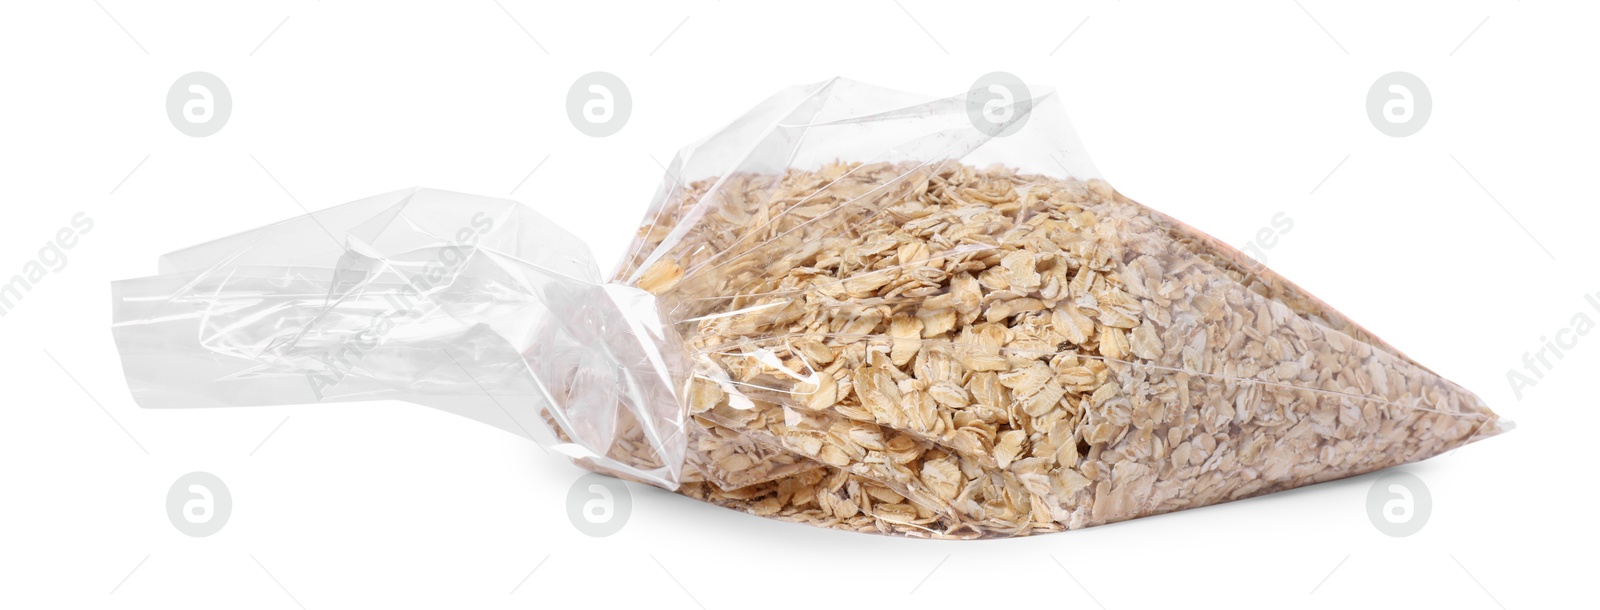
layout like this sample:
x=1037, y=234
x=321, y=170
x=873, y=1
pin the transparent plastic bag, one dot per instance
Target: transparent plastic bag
x=473, y=305
x=851, y=307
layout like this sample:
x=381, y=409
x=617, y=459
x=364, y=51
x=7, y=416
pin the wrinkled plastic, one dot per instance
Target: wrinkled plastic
x=716, y=362
x=472, y=305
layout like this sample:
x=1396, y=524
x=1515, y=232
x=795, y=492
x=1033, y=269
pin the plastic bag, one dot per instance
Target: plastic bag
x=852, y=307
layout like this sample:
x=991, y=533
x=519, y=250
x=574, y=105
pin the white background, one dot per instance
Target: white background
x=1220, y=116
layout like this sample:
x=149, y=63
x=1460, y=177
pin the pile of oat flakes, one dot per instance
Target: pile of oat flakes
x=945, y=351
